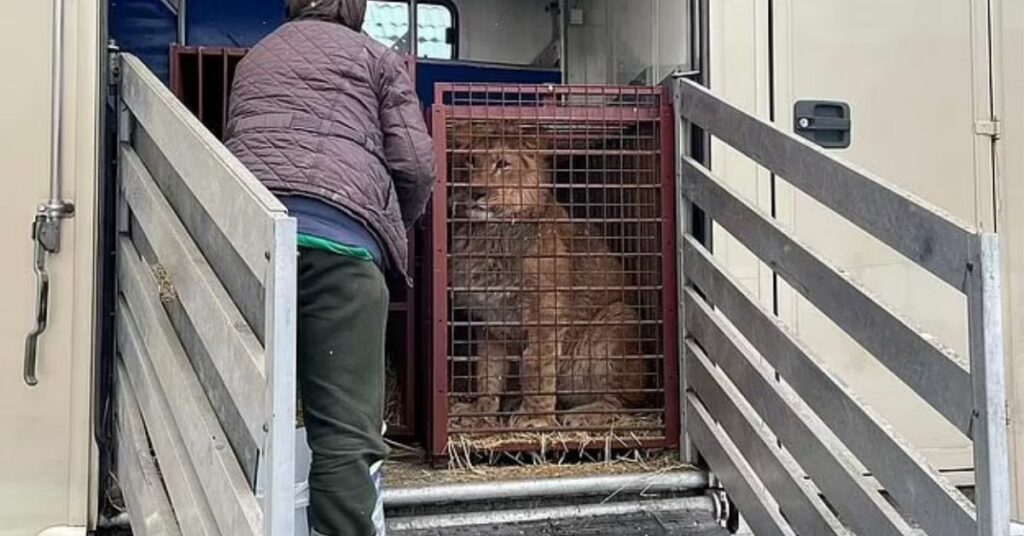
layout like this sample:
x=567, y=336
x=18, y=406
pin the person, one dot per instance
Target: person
x=328, y=120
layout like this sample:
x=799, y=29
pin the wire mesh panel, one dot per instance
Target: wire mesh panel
x=554, y=279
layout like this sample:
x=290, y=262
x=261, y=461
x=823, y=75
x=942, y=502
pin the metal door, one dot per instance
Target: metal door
x=790, y=440
x=915, y=76
x=46, y=451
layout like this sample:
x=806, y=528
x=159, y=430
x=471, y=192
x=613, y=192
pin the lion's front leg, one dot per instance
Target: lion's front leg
x=543, y=274
x=539, y=380
x=492, y=364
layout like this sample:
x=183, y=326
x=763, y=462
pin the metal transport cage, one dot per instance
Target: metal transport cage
x=553, y=291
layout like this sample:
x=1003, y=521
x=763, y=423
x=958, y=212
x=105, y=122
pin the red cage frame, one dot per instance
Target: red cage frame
x=546, y=108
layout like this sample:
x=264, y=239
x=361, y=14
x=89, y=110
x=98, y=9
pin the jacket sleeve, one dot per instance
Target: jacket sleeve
x=407, y=145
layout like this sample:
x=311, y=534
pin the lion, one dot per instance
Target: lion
x=548, y=291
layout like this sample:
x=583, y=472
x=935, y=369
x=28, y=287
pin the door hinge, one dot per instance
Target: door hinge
x=992, y=128
x=113, y=63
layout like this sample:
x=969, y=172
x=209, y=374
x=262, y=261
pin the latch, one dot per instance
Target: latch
x=826, y=123
x=46, y=240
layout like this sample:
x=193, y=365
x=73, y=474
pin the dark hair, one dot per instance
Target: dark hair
x=350, y=13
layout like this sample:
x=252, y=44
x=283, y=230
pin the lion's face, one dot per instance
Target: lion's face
x=505, y=178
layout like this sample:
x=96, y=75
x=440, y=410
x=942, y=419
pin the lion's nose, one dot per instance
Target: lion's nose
x=479, y=196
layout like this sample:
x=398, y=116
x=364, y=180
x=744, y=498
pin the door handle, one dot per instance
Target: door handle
x=42, y=300
x=826, y=123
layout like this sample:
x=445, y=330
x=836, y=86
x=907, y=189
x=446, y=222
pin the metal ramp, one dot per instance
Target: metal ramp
x=788, y=440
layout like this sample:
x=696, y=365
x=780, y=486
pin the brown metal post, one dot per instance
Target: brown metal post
x=438, y=426
x=670, y=319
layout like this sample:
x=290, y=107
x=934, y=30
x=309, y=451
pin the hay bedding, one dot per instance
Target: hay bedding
x=628, y=434
x=559, y=455
x=483, y=457
x=394, y=403
x=165, y=286
x=502, y=457
x=406, y=469
x=542, y=449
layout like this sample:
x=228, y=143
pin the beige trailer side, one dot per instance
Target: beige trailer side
x=936, y=92
x=1009, y=106
x=935, y=107
x=47, y=455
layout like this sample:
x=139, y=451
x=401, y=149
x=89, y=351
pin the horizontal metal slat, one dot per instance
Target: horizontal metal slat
x=233, y=197
x=229, y=341
x=245, y=289
x=149, y=508
x=775, y=468
x=821, y=455
x=190, y=507
x=939, y=377
x=754, y=500
x=220, y=398
x=922, y=233
x=915, y=486
x=151, y=334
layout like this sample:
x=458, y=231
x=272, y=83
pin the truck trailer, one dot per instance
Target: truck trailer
x=808, y=209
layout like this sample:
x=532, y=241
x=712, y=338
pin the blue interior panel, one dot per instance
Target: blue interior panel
x=232, y=23
x=145, y=28
x=431, y=72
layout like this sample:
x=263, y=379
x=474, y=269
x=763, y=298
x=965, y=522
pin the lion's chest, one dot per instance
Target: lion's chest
x=487, y=269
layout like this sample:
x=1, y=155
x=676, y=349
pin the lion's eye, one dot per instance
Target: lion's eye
x=501, y=164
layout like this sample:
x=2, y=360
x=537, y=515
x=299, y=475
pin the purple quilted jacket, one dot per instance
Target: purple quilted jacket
x=322, y=111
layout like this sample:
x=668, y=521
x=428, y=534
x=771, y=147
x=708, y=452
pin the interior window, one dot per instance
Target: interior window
x=388, y=22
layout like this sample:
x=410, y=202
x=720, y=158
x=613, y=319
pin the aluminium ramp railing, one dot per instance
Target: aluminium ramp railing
x=205, y=326
x=734, y=407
